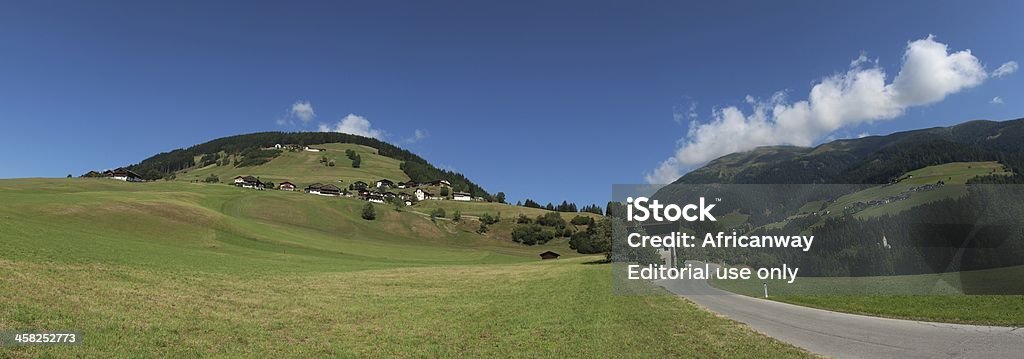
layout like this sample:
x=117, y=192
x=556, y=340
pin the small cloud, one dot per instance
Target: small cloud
x=860, y=60
x=300, y=110
x=417, y=136
x=863, y=134
x=996, y=100
x=303, y=110
x=685, y=114
x=355, y=125
x=1005, y=69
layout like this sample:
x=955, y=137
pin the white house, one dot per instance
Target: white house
x=375, y=198
x=462, y=196
x=124, y=174
x=277, y=146
x=249, y=182
x=423, y=195
x=311, y=149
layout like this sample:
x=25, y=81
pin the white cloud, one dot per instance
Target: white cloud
x=863, y=134
x=303, y=110
x=353, y=124
x=1005, y=69
x=997, y=100
x=417, y=135
x=928, y=74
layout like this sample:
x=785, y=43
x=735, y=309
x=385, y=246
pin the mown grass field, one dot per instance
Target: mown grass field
x=928, y=297
x=172, y=269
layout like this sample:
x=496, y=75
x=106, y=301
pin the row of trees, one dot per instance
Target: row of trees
x=357, y=160
x=565, y=206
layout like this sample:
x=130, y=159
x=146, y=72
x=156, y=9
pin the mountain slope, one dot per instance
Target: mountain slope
x=873, y=159
x=303, y=167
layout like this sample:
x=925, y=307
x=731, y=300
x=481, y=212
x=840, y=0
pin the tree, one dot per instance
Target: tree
x=596, y=239
x=457, y=216
x=437, y=213
x=357, y=161
x=444, y=191
x=368, y=212
x=500, y=197
x=482, y=229
x=69, y=175
x=212, y=179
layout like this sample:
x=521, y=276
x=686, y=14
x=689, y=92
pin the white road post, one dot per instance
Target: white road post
x=766, y=289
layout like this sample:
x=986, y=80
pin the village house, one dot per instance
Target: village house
x=358, y=186
x=312, y=149
x=329, y=190
x=384, y=183
x=549, y=255
x=286, y=186
x=462, y=196
x=375, y=198
x=439, y=183
x=410, y=184
x=423, y=195
x=248, y=182
x=123, y=174
x=314, y=188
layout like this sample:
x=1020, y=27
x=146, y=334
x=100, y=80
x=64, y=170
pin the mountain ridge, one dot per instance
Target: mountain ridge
x=871, y=159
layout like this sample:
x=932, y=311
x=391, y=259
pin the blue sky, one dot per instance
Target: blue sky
x=544, y=100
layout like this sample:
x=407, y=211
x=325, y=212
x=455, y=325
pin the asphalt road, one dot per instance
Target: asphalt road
x=854, y=336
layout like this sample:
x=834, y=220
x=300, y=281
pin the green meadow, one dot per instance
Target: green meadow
x=178, y=269
x=304, y=168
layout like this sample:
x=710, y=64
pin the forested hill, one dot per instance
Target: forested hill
x=873, y=159
x=249, y=147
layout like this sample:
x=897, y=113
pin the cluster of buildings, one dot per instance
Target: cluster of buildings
x=902, y=196
x=378, y=192
x=120, y=174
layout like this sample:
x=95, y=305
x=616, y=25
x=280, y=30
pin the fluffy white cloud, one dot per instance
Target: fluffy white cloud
x=996, y=100
x=417, y=136
x=1006, y=68
x=353, y=124
x=303, y=110
x=928, y=74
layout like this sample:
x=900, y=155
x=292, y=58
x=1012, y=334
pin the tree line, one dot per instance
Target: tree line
x=565, y=206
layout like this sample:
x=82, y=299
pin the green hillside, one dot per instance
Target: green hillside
x=954, y=176
x=177, y=269
x=872, y=159
x=304, y=167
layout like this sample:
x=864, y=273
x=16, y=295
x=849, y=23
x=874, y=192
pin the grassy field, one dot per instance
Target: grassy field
x=929, y=297
x=174, y=269
x=304, y=168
